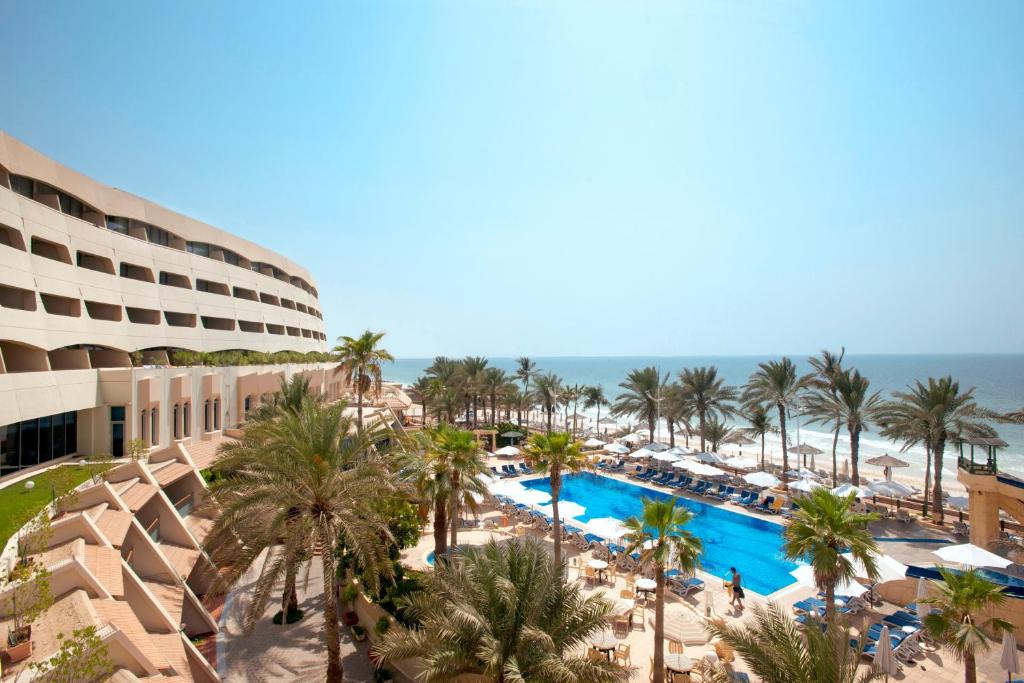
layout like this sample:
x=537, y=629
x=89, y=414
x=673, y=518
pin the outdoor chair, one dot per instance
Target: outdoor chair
x=524, y=469
x=622, y=654
x=675, y=647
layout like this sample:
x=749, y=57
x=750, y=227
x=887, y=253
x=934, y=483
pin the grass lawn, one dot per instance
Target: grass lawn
x=18, y=504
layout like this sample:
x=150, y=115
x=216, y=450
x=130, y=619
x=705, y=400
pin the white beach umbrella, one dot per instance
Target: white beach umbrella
x=922, y=608
x=740, y=463
x=804, y=574
x=702, y=470
x=666, y=457
x=679, y=450
x=566, y=508
x=530, y=497
x=889, y=569
x=641, y=453
x=844, y=490
x=632, y=438
x=616, y=448
x=503, y=487
x=805, y=484
x=892, y=489
x=802, y=473
x=507, y=451
x=884, y=660
x=761, y=479
x=606, y=527
x=710, y=458
x=1008, y=661
x=489, y=454
x=971, y=555
x=593, y=443
x=657, y=447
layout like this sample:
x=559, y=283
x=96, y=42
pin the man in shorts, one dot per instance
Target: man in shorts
x=737, y=589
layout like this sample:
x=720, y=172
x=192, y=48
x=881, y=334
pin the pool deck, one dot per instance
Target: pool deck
x=936, y=666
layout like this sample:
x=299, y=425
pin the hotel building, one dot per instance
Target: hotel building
x=106, y=302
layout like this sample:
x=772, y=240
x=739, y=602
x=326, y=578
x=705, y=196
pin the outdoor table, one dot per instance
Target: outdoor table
x=600, y=566
x=605, y=642
x=646, y=585
x=679, y=664
x=909, y=629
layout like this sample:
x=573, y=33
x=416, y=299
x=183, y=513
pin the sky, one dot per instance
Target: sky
x=575, y=178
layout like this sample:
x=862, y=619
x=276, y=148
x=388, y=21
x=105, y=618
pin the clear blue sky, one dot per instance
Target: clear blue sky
x=571, y=178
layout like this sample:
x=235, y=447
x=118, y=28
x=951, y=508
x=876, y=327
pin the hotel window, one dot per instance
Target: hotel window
x=186, y=419
x=216, y=414
x=70, y=205
x=206, y=416
x=117, y=224
x=21, y=185
x=143, y=426
x=246, y=405
x=198, y=248
x=175, y=425
x=154, y=428
x=231, y=257
x=158, y=235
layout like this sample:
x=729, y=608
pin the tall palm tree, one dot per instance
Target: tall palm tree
x=359, y=362
x=491, y=382
x=427, y=471
x=660, y=535
x=677, y=411
x=297, y=486
x=593, y=397
x=554, y=454
x=821, y=530
x=962, y=598
x=855, y=407
x=473, y=368
x=777, y=649
x=460, y=453
x=707, y=395
x=776, y=383
x=826, y=366
x=952, y=413
x=503, y=611
x=428, y=389
x=760, y=420
x=571, y=396
x=525, y=370
x=910, y=424
x=548, y=392
x=639, y=398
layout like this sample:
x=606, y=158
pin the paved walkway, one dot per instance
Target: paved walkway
x=283, y=653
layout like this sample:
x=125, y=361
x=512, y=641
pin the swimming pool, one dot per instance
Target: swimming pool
x=730, y=539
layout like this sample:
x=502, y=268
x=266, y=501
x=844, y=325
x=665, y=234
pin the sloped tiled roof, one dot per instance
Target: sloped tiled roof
x=105, y=565
x=114, y=524
x=119, y=614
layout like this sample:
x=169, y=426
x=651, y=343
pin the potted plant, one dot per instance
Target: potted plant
x=382, y=626
x=27, y=593
x=358, y=632
x=348, y=596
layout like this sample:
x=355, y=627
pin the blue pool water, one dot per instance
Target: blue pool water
x=730, y=539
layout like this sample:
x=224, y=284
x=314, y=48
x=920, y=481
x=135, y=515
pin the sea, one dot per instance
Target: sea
x=997, y=380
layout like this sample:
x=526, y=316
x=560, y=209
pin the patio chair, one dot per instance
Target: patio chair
x=622, y=653
x=524, y=469
x=684, y=587
x=766, y=504
x=675, y=647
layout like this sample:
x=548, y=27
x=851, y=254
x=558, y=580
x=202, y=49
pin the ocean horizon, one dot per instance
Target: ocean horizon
x=997, y=379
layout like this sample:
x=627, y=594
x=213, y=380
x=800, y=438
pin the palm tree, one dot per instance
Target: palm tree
x=297, y=487
x=777, y=649
x=853, y=405
x=524, y=371
x=491, y=382
x=506, y=612
x=571, y=395
x=426, y=470
x=826, y=367
x=910, y=424
x=660, y=536
x=717, y=432
x=951, y=414
x=677, y=411
x=554, y=454
x=639, y=399
x=821, y=530
x=473, y=374
x=428, y=389
x=962, y=597
x=776, y=383
x=760, y=420
x=459, y=453
x=593, y=397
x=359, y=362
x=707, y=395
x=548, y=393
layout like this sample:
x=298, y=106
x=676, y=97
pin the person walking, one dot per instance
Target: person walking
x=737, y=589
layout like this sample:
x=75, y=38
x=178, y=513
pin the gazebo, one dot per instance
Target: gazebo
x=491, y=435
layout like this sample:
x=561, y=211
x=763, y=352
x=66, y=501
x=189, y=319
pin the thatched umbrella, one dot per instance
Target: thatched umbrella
x=887, y=462
x=806, y=449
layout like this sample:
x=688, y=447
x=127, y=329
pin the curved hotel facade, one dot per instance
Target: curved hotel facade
x=101, y=291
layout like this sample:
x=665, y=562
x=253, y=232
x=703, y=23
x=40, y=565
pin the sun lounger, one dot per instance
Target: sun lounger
x=776, y=507
x=766, y=504
x=700, y=487
x=648, y=475
x=524, y=469
x=637, y=472
x=683, y=587
x=619, y=466
x=726, y=494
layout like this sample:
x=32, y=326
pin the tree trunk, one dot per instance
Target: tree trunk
x=454, y=521
x=440, y=527
x=702, y=415
x=575, y=411
x=359, y=405
x=332, y=635
x=476, y=413
x=835, y=465
x=519, y=418
x=762, y=451
x=598, y=423
x=659, y=624
x=289, y=596
x=556, y=530
x=970, y=668
x=927, y=477
x=785, y=452
x=940, y=446
x=830, y=601
x=650, y=426
x=551, y=416
x=494, y=408
x=854, y=455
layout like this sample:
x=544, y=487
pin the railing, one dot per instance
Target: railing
x=184, y=505
x=154, y=530
x=972, y=467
